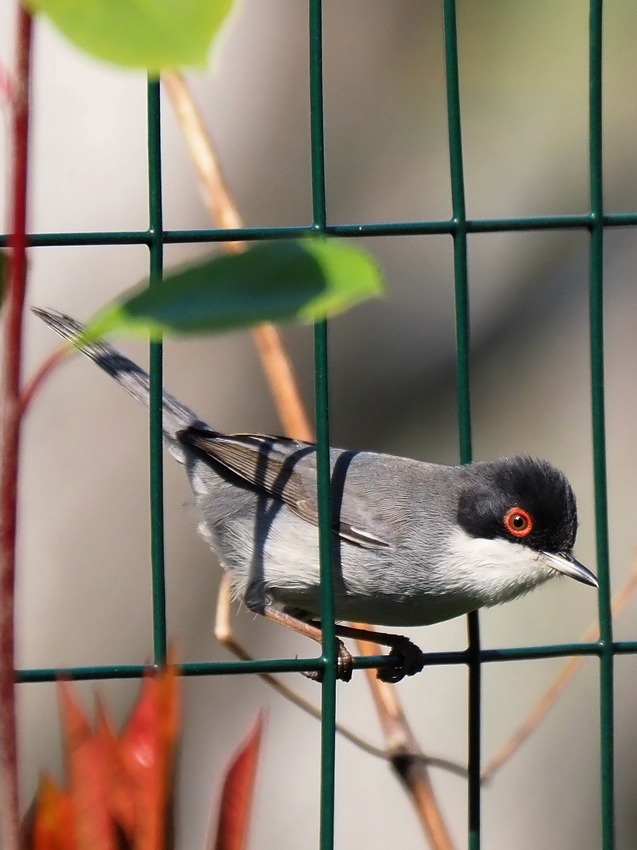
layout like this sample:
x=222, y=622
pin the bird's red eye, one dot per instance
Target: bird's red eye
x=518, y=522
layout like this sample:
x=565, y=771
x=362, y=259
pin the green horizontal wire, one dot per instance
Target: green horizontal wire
x=297, y=665
x=392, y=228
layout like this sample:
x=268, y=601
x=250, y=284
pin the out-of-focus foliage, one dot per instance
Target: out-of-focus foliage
x=155, y=34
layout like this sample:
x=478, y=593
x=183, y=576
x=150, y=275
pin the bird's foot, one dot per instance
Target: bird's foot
x=409, y=661
x=344, y=665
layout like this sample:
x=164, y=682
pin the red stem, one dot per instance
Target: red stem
x=39, y=378
x=10, y=437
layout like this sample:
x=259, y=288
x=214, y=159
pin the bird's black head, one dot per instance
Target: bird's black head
x=522, y=500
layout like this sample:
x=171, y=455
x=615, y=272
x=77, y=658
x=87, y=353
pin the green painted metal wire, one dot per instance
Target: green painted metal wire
x=596, y=326
x=295, y=665
x=580, y=221
x=156, y=248
x=463, y=382
x=328, y=695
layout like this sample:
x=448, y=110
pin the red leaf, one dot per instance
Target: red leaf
x=147, y=750
x=238, y=792
x=119, y=784
x=53, y=828
x=120, y=788
x=88, y=772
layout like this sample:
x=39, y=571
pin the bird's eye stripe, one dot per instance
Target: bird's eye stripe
x=518, y=522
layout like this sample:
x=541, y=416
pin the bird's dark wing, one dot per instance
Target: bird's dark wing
x=285, y=469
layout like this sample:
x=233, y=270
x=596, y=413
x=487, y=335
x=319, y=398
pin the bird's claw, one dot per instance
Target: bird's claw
x=344, y=665
x=410, y=660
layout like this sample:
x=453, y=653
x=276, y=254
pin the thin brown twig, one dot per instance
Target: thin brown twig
x=224, y=213
x=10, y=434
x=226, y=637
x=36, y=382
x=216, y=194
x=406, y=757
x=282, y=382
x=557, y=686
x=219, y=201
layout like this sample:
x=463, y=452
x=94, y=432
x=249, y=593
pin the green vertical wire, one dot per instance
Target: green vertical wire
x=463, y=386
x=156, y=379
x=598, y=422
x=460, y=232
x=328, y=695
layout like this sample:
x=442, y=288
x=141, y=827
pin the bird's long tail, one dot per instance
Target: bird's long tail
x=131, y=376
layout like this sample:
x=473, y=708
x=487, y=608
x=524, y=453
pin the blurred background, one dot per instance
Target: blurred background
x=84, y=594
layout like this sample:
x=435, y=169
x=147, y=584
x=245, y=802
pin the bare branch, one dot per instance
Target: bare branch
x=219, y=202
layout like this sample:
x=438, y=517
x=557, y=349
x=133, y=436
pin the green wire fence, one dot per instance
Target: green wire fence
x=458, y=228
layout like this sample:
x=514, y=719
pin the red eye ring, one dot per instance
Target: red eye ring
x=518, y=522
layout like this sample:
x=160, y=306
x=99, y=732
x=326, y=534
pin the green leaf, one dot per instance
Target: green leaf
x=303, y=280
x=152, y=34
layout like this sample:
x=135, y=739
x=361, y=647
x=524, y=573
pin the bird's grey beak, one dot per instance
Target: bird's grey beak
x=569, y=566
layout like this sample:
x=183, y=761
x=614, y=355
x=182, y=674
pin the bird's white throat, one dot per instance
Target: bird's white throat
x=492, y=571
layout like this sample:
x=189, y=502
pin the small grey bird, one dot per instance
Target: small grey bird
x=414, y=543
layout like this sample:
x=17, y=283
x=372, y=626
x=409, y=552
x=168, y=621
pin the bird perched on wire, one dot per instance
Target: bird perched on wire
x=413, y=543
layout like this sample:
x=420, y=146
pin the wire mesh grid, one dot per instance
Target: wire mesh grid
x=458, y=228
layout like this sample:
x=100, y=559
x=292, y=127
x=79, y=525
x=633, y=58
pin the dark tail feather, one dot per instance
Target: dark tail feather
x=131, y=376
